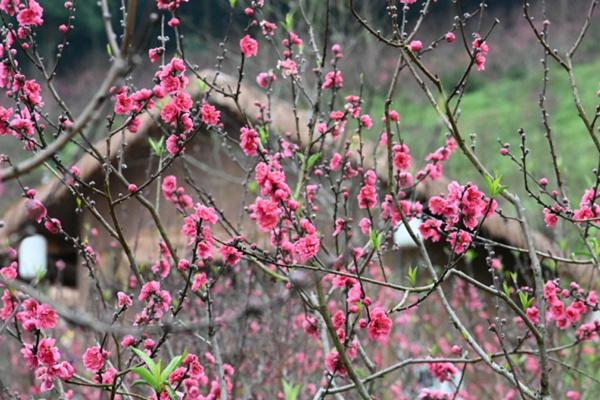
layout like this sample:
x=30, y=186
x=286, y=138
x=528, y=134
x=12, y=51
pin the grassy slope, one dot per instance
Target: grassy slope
x=497, y=109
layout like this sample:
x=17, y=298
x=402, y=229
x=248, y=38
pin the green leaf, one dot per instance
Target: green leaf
x=375, y=239
x=232, y=3
x=109, y=50
x=495, y=187
x=288, y=23
x=201, y=85
x=147, y=360
x=172, y=366
x=157, y=372
x=470, y=256
x=252, y=187
x=433, y=350
x=505, y=289
x=147, y=377
x=157, y=146
x=263, y=135
x=312, y=160
x=524, y=298
x=411, y=276
x=290, y=391
x=170, y=391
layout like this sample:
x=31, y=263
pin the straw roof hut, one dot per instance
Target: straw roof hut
x=214, y=169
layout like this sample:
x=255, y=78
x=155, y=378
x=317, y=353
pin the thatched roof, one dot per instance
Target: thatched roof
x=54, y=192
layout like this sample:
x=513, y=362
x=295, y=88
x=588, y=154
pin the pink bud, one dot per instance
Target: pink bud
x=415, y=46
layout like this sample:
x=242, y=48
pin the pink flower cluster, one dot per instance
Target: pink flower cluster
x=175, y=194
x=45, y=359
x=442, y=371
x=94, y=358
x=367, y=196
x=288, y=66
x=197, y=228
x=157, y=302
x=132, y=105
x=170, y=5
x=380, y=326
x=465, y=205
x=410, y=209
x=28, y=14
x=588, y=207
x=248, y=46
x=36, y=316
x=480, y=51
x=333, y=79
x=264, y=79
x=434, y=167
x=249, y=141
x=272, y=182
x=563, y=313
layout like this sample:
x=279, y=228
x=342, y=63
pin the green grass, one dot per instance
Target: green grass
x=496, y=109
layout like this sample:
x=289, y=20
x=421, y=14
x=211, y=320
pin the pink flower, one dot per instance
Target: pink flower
x=128, y=341
x=365, y=121
x=264, y=79
x=364, y=225
x=550, y=218
x=459, y=241
x=430, y=229
x=415, y=46
x=230, y=255
x=306, y=247
x=94, y=358
x=442, y=371
x=334, y=163
x=480, y=50
x=268, y=28
x=333, y=79
x=169, y=185
x=31, y=15
x=367, y=196
x=35, y=210
x=533, y=314
x=380, y=326
x=287, y=67
x=450, y=37
x=209, y=114
x=199, y=281
x=32, y=92
x=5, y=114
x=154, y=53
x=173, y=146
x=266, y=213
x=402, y=158
x=53, y=225
x=123, y=300
x=248, y=141
x=248, y=46
x=47, y=353
x=334, y=365
x=572, y=395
